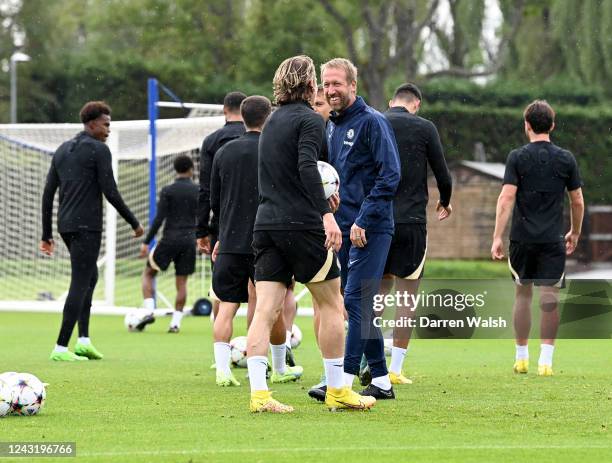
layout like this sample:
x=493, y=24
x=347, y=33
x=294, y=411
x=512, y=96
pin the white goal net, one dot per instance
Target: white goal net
x=31, y=281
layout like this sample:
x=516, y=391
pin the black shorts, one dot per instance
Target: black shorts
x=281, y=255
x=183, y=254
x=231, y=277
x=542, y=264
x=406, y=258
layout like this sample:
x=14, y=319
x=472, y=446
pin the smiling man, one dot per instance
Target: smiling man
x=362, y=148
x=82, y=170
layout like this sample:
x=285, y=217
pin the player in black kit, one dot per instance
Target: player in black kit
x=419, y=145
x=295, y=235
x=536, y=178
x=233, y=128
x=234, y=200
x=82, y=170
x=176, y=209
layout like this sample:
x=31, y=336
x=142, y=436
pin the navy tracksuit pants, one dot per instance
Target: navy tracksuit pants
x=361, y=270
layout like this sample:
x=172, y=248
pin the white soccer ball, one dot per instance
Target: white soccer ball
x=6, y=397
x=28, y=394
x=330, y=178
x=9, y=377
x=132, y=318
x=238, y=351
x=296, y=336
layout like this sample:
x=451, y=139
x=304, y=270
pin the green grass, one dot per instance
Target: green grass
x=24, y=280
x=153, y=399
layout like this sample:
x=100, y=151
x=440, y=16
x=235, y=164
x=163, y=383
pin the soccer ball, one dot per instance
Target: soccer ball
x=6, y=397
x=132, y=318
x=296, y=336
x=238, y=351
x=8, y=377
x=330, y=178
x=28, y=395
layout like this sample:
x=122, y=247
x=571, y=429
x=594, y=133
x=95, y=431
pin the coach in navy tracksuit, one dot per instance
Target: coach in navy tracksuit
x=362, y=148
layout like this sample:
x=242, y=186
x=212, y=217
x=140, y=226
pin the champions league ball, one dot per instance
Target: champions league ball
x=132, y=319
x=238, y=351
x=296, y=336
x=330, y=178
x=6, y=397
x=28, y=394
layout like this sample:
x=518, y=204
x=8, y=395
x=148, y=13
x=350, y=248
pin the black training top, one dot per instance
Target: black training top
x=233, y=193
x=541, y=171
x=291, y=195
x=177, y=205
x=211, y=144
x=418, y=144
x=82, y=170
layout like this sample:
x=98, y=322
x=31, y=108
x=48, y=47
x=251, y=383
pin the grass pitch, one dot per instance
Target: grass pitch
x=153, y=399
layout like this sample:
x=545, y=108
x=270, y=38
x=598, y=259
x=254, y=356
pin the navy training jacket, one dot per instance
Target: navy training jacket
x=363, y=150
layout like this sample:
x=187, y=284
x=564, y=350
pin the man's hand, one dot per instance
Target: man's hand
x=497, y=249
x=333, y=235
x=47, y=247
x=144, y=251
x=334, y=202
x=571, y=241
x=215, y=252
x=443, y=212
x=139, y=231
x=204, y=244
x=358, y=236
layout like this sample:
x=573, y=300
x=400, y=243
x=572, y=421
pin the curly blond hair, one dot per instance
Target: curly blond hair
x=293, y=78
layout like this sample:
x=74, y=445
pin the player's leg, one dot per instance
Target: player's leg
x=366, y=266
x=522, y=269
x=330, y=310
x=270, y=297
x=84, y=347
x=180, y=282
x=230, y=283
x=289, y=313
x=550, y=277
x=251, y=304
x=549, y=325
x=83, y=248
x=402, y=334
x=222, y=334
x=272, y=276
x=282, y=372
x=184, y=265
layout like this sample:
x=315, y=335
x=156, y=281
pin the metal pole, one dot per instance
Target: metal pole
x=13, y=66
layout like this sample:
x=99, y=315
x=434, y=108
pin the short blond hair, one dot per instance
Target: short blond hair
x=342, y=63
x=292, y=80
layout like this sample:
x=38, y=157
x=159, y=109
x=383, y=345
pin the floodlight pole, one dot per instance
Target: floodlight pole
x=14, y=59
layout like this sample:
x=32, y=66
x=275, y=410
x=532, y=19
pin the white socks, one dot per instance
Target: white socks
x=258, y=366
x=176, y=318
x=348, y=379
x=149, y=304
x=397, y=359
x=382, y=382
x=546, y=354
x=288, y=340
x=59, y=348
x=278, y=358
x=84, y=341
x=522, y=353
x=222, y=357
x=334, y=372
